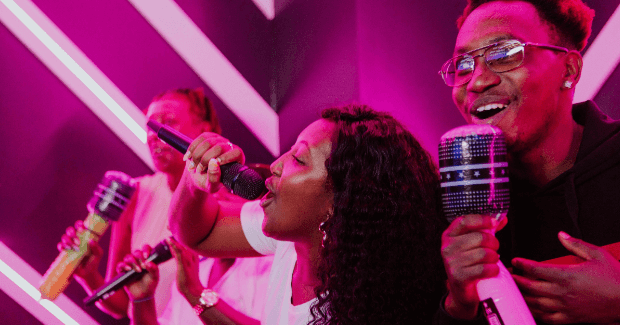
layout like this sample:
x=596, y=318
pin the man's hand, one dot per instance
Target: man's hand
x=565, y=294
x=469, y=251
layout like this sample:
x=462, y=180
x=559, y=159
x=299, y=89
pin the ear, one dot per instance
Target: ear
x=573, y=63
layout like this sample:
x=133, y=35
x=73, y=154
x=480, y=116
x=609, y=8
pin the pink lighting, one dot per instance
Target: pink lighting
x=213, y=68
x=267, y=7
x=17, y=280
x=600, y=60
x=70, y=65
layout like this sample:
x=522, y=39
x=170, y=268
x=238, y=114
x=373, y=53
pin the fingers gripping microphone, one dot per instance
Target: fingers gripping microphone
x=238, y=179
x=108, y=202
x=160, y=253
x=474, y=180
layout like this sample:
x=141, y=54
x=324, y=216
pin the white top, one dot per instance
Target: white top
x=243, y=287
x=278, y=308
x=150, y=226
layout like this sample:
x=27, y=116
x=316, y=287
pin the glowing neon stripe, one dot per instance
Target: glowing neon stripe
x=18, y=279
x=600, y=60
x=77, y=72
x=267, y=7
x=213, y=68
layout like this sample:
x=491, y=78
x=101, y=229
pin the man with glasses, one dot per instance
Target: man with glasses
x=515, y=66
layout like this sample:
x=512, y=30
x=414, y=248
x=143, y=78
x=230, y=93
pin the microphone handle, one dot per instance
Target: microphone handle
x=174, y=138
x=181, y=142
x=501, y=301
x=161, y=253
x=59, y=274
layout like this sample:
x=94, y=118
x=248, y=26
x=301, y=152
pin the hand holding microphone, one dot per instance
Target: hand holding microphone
x=238, y=179
x=108, y=202
x=134, y=268
x=475, y=196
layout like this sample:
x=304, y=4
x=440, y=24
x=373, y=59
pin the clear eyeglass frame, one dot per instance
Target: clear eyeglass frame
x=499, y=57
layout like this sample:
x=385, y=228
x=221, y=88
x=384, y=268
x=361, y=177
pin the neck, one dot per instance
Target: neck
x=552, y=157
x=305, y=275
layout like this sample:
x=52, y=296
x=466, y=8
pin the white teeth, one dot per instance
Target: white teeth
x=490, y=107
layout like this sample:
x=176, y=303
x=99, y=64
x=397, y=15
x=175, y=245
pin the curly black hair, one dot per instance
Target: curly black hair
x=571, y=20
x=381, y=261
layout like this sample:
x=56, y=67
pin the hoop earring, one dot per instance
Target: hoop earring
x=323, y=228
x=568, y=84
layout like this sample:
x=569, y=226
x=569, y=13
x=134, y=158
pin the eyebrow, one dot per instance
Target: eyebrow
x=462, y=50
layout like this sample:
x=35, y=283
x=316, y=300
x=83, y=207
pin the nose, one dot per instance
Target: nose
x=482, y=77
x=276, y=167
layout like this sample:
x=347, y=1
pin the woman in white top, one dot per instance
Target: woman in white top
x=145, y=220
x=354, y=167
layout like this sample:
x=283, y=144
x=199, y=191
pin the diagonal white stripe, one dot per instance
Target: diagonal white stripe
x=600, y=60
x=267, y=7
x=18, y=280
x=213, y=68
x=77, y=72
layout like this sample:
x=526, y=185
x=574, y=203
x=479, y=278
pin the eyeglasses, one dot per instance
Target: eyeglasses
x=499, y=57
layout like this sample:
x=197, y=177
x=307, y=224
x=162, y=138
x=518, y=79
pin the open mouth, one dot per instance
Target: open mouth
x=489, y=110
x=267, y=198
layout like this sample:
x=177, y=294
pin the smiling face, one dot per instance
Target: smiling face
x=299, y=199
x=525, y=102
x=172, y=110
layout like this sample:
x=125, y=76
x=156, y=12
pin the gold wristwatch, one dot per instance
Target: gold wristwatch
x=208, y=298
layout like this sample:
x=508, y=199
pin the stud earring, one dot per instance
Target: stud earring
x=568, y=84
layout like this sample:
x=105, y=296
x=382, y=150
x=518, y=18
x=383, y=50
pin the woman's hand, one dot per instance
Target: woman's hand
x=146, y=285
x=90, y=262
x=204, y=157
x=188, y=280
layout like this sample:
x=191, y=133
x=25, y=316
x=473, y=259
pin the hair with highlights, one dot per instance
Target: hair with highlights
x=571, y=20
x=381, y=260
x=200, y=105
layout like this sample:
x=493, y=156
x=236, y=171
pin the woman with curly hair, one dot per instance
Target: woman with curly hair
x=380, y=262
x=351, y=216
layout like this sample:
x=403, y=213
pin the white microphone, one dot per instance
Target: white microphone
x=474, y=180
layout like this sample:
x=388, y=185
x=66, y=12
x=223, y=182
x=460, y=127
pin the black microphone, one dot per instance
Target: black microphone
x=238, y=179
x=473, y=167
x=160, y=253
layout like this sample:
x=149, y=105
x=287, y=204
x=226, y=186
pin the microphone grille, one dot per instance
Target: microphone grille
x=242, y=181
x=112, y=195
x=473, y=169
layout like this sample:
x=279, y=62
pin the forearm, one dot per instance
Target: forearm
x=144, y=312
x=442, y=317
x=222, y=313
x=115, y=305
x=192, y=213
x=460, y=311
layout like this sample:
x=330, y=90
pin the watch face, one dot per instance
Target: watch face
x=209, y=298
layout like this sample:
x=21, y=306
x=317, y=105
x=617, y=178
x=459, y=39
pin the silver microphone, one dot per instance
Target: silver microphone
x=474, y=171
x=474, y=180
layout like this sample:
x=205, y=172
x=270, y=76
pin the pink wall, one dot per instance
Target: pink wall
x=314, y=54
